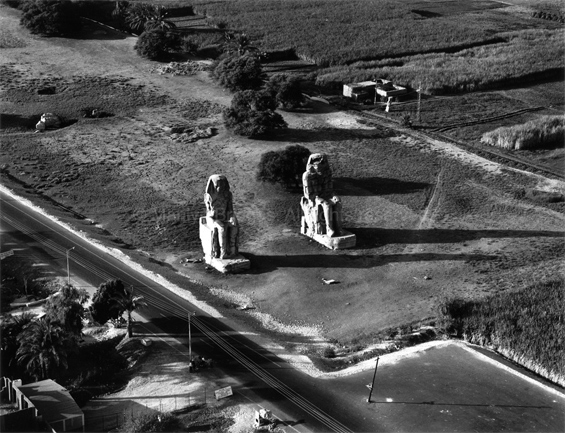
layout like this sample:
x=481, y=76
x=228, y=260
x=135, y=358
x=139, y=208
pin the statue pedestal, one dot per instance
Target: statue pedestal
x=232, y=264
x=345, y=240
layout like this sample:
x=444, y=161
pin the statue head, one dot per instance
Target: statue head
x=318, y=162
x=217, y=184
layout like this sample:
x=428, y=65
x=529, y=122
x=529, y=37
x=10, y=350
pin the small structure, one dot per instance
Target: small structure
x=41, y=402
x=322, y=219
x=219, y=229
x=364, y=91
x=264, y=420
x=47, y=121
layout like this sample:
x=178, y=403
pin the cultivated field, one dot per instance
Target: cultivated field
x=444, y=47
x=431, y=221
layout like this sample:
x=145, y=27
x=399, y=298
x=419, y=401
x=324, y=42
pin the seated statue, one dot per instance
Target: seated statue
x=318, y=193
x=220, y=217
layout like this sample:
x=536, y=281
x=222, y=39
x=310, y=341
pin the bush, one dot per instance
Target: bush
x=188, y=45
x=286, y=166
x=50, y=17
x=239, y=72
x=102, y=307
x=328, y=352
x=154, y=44
x=286, y=90
x=252, y=114
x=543, y=132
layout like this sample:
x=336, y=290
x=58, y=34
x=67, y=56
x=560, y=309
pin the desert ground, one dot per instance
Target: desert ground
x=432, y=221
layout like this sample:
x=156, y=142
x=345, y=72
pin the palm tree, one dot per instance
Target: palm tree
x=159, y=20
x=127, y=301
x=10, y=329
x=143, y=16
x=43, y=345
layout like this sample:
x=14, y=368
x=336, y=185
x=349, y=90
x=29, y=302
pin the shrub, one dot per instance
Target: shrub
x=102, y=307
x=239, y=72
x=252, y=114
x=543, y=132
x=188, y=45
x=50, y=17
x=286, y=166
x=328, y=352
x=286, y=90
x=154, y=44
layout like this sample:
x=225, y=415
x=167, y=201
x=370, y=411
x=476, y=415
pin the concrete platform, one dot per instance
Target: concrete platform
x=346, y=240
x=232, y=265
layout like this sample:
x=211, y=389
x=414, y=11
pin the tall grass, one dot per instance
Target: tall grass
x=526, y=55
x=526, y=326
x=334, y=32
x=539, y=133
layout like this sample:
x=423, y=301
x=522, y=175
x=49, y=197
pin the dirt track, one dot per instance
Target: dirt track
x=464, y=229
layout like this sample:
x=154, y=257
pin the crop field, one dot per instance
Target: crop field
x=454, y=46
x=525, y=53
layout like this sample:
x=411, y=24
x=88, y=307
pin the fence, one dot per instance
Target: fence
x=117, y=411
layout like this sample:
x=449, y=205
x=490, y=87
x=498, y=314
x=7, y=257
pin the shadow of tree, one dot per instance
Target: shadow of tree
x=372, y=237
x=262, y=264
x=348, y=186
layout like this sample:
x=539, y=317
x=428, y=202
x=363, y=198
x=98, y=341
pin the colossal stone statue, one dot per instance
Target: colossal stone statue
x=322, y=220
x=219, y=229
x=318, y=193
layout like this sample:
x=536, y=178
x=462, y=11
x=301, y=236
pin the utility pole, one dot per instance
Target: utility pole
x=68, y=267
x=373, y=382
x=190, y=314
x=419, y=101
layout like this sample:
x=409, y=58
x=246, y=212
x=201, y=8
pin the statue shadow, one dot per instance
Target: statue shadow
x=265, y=264
x=348, y=186
x=376, y=237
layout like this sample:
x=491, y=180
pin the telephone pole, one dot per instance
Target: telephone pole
x=419, y=101
x=373, y=382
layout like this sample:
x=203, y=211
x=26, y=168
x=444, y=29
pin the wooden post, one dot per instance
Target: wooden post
x=419, y=101
x=373, y=382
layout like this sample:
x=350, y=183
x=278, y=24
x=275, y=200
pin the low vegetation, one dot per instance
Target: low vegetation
x=543, y=132
x=525, y=54
x=252, y=113
x=452, y=49
x=239, y=72
x=50, y=17
x=284, y=166
x=155, y=43
x=527, y=326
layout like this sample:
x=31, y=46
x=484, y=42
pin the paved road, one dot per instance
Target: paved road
x=445, y=389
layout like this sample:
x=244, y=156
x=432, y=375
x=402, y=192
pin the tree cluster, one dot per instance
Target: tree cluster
x=41, y=347
x=50, y=17
x=285, y=166
x=252, y=111
x=156, y=43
